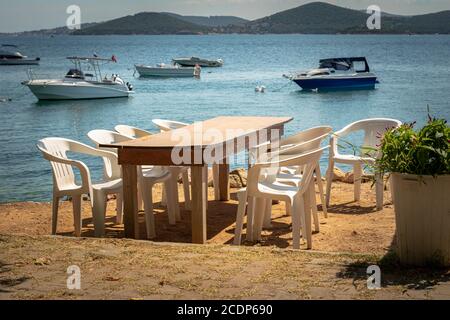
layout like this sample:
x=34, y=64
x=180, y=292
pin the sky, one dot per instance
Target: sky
x=22, y=15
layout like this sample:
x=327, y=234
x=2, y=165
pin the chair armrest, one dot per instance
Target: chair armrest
x=110, y=159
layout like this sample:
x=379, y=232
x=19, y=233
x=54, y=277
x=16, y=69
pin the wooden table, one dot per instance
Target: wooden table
x=222, y=135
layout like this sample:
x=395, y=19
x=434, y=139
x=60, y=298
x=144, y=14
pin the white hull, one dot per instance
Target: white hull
x=62, y=90
x=145, y=71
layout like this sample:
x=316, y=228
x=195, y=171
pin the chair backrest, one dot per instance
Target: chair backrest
x=99, y=137
x=167, y=125
x=63, y=174
x=301, y=142
x=306, y=135
x=132, y=131
x=307, y=161
x=373, y=129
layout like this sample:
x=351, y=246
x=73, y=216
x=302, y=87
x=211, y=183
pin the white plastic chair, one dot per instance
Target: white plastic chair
x=64, y=182
x=132, y=131
x=373, y=131
x=147, y=178
x=167, y=125
x=260, y=190
x=175, y=171
x=301, y=142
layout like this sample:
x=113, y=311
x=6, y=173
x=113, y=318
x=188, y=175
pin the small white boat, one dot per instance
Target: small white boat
x=78, y=85
x=163, y=70
x=12, y=57
x=194, y=61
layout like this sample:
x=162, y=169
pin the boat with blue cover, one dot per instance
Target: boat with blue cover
x=337, y=73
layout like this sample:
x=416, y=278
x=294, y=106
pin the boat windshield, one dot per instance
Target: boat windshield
x=75, y=74
x=336, y=65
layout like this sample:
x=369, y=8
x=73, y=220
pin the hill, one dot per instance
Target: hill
x=311, y=18
x=212, y=21
x=144, y=23
x=319, y=17
x=50, y=32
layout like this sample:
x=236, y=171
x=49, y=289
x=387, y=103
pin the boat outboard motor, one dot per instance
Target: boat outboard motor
x=129, y=86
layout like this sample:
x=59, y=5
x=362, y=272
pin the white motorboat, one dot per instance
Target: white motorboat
x=78, y=85
x=163, y=70
x=337, y=73
x=194, y=61
x=9, y=56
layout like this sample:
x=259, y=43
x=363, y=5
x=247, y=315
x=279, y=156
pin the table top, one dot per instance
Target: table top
x=211, y=132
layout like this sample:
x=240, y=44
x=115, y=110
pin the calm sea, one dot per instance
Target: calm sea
x=414, y=72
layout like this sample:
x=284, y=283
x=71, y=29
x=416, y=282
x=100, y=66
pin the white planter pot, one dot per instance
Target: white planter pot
x=422, y=215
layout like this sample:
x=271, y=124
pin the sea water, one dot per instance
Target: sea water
x=414, y=71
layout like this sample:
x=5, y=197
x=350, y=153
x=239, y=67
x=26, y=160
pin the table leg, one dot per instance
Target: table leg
x=130, y=201
x=224, y=182
x=199, y=189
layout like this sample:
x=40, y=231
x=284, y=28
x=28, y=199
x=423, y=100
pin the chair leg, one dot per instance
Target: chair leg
x=98, y=202
x=242, y=197
x=288, y=208
x=140, y=201
x=55, y=205
x=187, y=195
x=329, y=181
x=268, y=214
x=379, y=185
x=313, y=205
x=307, y=225
x=164, y=197
x=148, y=209
x=322, y=195
x=119, y=208
x=357, y=175
x=76, y=205
x=260, y=206
x=250, y=217
x=297, y=221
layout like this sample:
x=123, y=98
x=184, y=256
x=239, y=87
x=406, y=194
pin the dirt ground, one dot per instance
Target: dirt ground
x=33, y=265
x=350, y=227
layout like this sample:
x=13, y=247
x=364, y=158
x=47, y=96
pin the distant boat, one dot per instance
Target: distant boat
x=193, y=61
x=9, y=56
x=163, y=70
x=79, y=85
x=337, y=73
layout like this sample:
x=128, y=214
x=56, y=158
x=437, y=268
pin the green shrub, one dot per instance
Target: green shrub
x=422, y=152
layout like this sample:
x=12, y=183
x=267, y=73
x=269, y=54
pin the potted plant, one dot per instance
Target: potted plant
x=418, y=162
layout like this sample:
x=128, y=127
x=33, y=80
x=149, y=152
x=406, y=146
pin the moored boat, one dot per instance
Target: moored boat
x=78, y=85
x=337, y=73
x=193, y=61
x=163, y=70
x=9, y=56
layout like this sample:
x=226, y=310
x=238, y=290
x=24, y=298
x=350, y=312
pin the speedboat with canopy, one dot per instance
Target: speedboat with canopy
x=337, y=73
x=80, y=83
x=10, y=56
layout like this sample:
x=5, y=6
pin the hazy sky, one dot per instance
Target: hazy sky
x=20, y=15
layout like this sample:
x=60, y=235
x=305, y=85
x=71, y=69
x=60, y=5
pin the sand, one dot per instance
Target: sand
x=33, y=264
